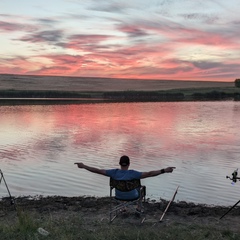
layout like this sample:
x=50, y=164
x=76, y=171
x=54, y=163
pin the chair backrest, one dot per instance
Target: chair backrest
x=125, y=185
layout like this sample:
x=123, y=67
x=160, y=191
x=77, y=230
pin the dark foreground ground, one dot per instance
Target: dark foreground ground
x=96, y=210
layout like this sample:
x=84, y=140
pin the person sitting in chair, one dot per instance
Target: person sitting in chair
x=125, y=174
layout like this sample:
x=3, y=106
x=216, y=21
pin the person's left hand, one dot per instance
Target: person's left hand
x=169, y=169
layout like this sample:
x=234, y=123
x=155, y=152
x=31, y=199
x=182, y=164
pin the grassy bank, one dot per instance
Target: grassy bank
x=70, y=227
x=76, y=218
x=26, y=226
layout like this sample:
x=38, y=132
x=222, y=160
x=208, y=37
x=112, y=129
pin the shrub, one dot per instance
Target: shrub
x=237, y=82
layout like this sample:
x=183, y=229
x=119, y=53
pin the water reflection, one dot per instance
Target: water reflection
x=39, y=144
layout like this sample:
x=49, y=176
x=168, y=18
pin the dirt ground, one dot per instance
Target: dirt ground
x=95, y=209
x=60, y=83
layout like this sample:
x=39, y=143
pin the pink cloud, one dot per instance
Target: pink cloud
x=12, y=27
x=142, y=50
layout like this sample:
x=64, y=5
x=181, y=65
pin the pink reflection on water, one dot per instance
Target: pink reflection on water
x=195, y=137
x=129, y=125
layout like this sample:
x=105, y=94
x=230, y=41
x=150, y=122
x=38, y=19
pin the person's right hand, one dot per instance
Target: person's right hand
x=80, y=165
x=169, y=169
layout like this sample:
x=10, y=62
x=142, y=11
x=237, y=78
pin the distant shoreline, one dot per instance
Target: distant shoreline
x=92, y=84
x=20, y=89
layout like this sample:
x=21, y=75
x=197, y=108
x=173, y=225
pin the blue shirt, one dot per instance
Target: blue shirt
x=119, y=174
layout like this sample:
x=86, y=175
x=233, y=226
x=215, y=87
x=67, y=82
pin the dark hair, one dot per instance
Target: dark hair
x=124, y=161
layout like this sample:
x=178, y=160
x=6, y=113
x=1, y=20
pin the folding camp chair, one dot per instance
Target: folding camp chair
x=117, y=205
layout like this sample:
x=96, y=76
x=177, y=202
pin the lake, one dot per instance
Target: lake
x=39, y=145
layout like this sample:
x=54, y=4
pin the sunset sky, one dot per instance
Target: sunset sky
x=154, y=39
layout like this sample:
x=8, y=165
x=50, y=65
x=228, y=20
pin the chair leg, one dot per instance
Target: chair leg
x=144, y=193
x=112, y=217
x=142, y=197
x=114, y=210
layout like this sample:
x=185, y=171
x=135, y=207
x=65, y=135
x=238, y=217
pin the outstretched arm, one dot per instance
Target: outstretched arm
x=92, y=169
x=157, y=172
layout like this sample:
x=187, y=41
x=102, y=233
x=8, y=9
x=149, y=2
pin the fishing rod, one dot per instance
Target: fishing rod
x=169, y=203
x=10, y=196
x=234, y=179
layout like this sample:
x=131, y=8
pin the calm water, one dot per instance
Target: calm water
x=39, y=145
